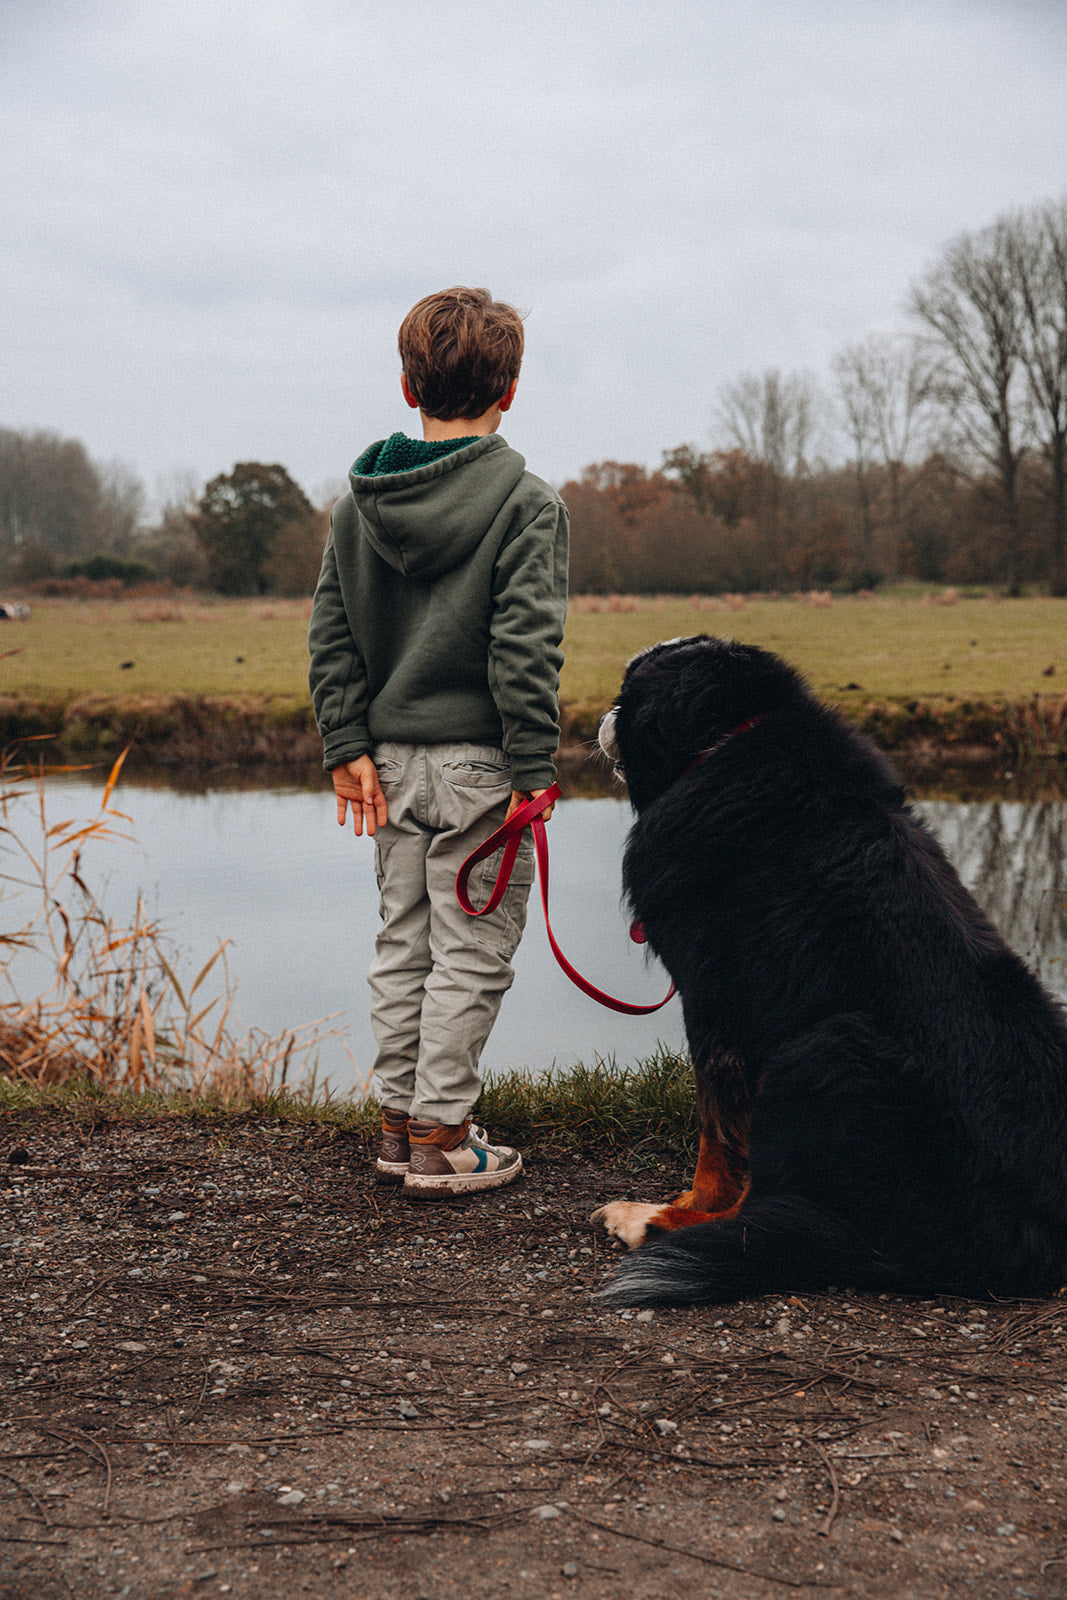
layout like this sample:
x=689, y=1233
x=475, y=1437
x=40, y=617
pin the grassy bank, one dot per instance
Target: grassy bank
x=650, y=1107
x=214, y=682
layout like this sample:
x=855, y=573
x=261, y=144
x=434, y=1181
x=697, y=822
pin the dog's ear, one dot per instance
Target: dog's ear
x=652, y=731
x=723, y=683
x=680, y=697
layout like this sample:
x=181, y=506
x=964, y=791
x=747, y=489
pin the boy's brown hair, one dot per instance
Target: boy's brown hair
x=461, y=351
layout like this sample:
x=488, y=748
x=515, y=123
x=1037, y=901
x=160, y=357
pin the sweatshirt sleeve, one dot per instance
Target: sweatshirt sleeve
x=338, y=675
x=525, y=646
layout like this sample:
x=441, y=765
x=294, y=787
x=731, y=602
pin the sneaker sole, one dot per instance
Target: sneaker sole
x=460, y=1182
x=393, y=1170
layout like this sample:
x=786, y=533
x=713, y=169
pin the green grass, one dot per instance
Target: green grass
x=648, y=1108
x=892, y=646
x=71, y=648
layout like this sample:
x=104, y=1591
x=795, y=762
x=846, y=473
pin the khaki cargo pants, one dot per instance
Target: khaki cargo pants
x=438, y=976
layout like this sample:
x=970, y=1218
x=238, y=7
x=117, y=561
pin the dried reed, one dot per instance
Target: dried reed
x=116, y=1015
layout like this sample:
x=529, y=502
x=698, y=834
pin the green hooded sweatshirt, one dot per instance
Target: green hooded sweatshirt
x=439, y=610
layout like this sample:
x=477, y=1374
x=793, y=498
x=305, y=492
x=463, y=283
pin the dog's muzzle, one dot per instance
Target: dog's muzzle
x=606, y=736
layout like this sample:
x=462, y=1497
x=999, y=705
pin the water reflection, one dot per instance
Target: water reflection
x=270, y=871
x=1012, y=858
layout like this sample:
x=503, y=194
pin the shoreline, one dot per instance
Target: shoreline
x=967, y=743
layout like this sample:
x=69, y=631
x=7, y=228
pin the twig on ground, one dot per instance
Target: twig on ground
x=708, y=1560
x=835, y=1486
x=22, y=1489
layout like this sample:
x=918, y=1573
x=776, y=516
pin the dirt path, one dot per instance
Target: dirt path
x=232, y=1365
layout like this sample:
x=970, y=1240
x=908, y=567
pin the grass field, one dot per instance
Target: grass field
x=888, y=646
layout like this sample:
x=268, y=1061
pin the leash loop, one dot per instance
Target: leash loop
x=509, y=834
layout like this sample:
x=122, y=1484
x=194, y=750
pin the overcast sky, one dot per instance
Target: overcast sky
x=215, y=216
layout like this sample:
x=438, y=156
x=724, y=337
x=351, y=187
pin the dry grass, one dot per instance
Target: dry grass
x=117, y=1016
x=895, y=646
x=909, y=642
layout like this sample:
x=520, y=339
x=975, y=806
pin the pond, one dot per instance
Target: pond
x=271, y=872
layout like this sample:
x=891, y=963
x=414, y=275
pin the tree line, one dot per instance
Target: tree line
x=953, y=433
x=66, y=520
x=936, y=451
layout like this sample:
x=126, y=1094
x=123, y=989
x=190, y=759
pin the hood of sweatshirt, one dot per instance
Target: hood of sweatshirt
x=427, y=520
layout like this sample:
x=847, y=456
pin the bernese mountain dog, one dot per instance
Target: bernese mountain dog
x=881, y=1081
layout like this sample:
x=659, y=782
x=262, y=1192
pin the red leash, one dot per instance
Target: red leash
x=509, y=835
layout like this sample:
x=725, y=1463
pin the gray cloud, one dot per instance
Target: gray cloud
x=216, y=219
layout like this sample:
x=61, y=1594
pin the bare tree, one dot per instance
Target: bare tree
x=50, y=498
x=849, y=370
x=972, y=303
x=772, y=419
x=171, y=545
x=887, y=386
x=1039, y=245
x=120, y=517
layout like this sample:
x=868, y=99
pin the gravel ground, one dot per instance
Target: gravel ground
x=233, y=1365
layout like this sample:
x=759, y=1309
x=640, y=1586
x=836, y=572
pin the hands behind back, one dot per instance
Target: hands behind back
x=356, y=784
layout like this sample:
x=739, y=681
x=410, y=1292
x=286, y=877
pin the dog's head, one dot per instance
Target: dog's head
x=680, y=698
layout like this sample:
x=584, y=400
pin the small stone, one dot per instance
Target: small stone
x=520, y=1366
x=547, y=1513
x=292, y=1497
x=569, y=1569
x=135, y=1272
x=644, y=1316
x=133, y=1347
x=896, y=1536
x=778, y=1515
x=537, y=1444
x=664, y=1426
x=1005, y=1530
x=178, y=1216
x=407, y=1410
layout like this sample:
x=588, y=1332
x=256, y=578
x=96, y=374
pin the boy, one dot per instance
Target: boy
x=435, y=655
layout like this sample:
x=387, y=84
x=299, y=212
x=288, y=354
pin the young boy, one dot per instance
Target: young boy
x=435, y=655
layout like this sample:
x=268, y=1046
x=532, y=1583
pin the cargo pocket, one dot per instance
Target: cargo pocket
x=502, y=929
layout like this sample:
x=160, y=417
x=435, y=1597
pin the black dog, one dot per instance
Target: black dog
x=882, y=1083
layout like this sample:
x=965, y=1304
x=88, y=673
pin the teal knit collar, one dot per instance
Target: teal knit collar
x=398, y=453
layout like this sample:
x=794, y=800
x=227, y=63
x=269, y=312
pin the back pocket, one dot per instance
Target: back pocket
x=477, y=774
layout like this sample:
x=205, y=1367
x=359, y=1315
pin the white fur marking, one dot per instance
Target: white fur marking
x=606, y=736
x=626, y=1220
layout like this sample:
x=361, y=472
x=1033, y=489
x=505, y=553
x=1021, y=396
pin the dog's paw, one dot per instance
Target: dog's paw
x=626, y=1220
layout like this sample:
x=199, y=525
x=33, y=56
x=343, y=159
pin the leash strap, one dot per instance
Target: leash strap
x=509, y=834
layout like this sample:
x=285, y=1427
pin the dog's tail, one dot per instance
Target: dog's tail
x=779, y=1243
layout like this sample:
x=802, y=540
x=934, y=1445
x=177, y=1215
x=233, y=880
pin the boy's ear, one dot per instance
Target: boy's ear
x=408, y=396
x=505, y=401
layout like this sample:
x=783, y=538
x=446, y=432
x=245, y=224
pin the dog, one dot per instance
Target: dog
x=881, y=1082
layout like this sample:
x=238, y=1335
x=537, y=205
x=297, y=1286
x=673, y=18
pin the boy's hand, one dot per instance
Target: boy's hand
x=356, y=784
x=519, y=799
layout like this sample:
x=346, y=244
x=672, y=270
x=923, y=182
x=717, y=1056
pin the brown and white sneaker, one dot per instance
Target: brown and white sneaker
x=456, y=1160
x=394, y=1152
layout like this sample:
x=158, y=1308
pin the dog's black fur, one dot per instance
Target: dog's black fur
x=907, y=1073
